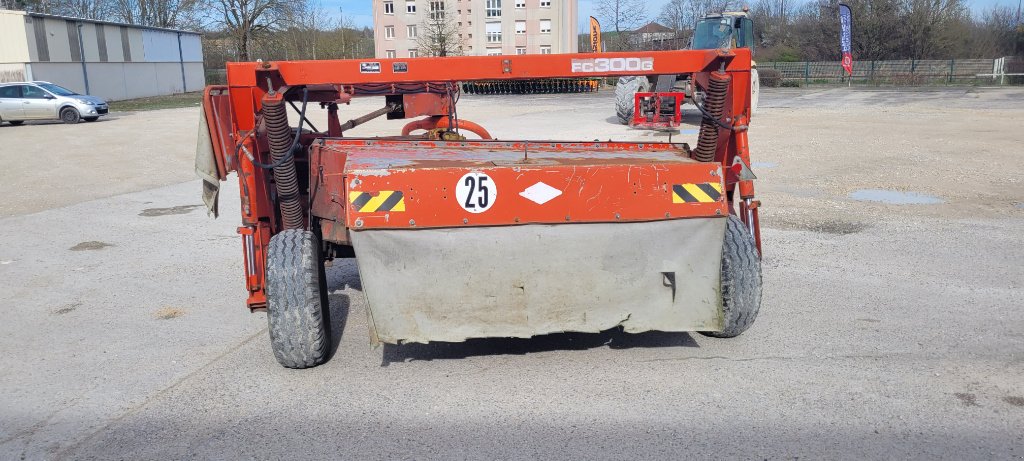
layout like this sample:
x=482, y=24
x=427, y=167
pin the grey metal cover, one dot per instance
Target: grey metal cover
x=522, y=281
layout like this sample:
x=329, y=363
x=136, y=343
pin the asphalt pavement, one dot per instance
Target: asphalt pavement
x=887, y=330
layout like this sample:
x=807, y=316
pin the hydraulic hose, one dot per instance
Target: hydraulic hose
x=282, y=145
x=714, y=103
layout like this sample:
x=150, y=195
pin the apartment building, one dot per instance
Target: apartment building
x=485, y=27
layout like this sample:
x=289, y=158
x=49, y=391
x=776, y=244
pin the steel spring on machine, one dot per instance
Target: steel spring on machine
x=714, y=103
x=281, y=141
x=535, y=86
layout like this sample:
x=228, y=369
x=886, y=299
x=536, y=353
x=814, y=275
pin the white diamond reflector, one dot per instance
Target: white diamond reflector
x=540, y=193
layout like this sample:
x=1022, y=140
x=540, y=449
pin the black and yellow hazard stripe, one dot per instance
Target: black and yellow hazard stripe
x=372, y=202
x=708, y=192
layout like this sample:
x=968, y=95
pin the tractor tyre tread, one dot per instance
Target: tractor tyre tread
x=296, y=308
x=625, y=90
x=741, y=280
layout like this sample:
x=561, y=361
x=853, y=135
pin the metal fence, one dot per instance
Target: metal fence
x=902, y=72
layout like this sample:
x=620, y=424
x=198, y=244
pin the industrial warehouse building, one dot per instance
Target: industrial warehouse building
x=109, y=60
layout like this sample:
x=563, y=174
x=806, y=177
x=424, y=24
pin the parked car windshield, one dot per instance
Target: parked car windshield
x=57, y=90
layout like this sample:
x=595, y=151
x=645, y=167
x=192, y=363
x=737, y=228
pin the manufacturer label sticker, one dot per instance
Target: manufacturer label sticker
x=476, y=192
x=601, y=65
x=369, y=67
x=400, y=67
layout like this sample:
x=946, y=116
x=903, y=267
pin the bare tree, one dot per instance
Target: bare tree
x=934, y=26
x=624, y=16
x=307, y=23
x=85, y=9
x=249, y=20
x=158, y=13
x=438, y=34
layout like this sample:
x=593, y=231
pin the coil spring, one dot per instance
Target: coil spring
x=536, y=86
x=280, y=136
x=714, y=102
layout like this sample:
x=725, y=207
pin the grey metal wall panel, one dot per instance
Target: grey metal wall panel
x=192, y=48
x=160, y=46
x=65, y=74
x=101, y=42
x=57, y=38
x=73, y=44
x=88, y=42
x=42, y=49
x=195, y=76
x=135, y=38
x=126, y=45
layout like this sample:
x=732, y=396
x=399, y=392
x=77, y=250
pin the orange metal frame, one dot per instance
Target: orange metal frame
x=425, y=87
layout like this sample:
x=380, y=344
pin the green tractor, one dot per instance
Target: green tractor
x=726, y=30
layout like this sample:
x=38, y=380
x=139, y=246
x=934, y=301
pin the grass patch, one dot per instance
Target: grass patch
x=173, y=101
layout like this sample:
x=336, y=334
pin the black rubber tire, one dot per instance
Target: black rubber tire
x=15, y=122
x=90, y=119
x=297, y=307
x=624, y=100
x=741, y=280
x=70, y=115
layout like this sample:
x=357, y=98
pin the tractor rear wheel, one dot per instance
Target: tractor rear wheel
x=297, y=308
x=741, y=280
x=625, y=90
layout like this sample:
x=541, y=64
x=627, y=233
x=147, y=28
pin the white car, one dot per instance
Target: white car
x=20, y=101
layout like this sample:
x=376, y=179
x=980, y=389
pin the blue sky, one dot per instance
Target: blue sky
x=360, y=10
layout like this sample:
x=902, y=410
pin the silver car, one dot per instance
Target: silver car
x=20, y=101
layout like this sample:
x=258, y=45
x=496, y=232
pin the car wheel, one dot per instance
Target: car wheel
x=90, y=119
x=15, y=122
x=70, y=115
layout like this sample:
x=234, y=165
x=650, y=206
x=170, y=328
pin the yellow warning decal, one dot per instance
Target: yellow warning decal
x=372, y=202
x=708, y=192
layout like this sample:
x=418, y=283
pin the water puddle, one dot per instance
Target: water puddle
x=894, y=197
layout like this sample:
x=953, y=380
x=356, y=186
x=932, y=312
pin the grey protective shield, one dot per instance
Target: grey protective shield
x=521, y=281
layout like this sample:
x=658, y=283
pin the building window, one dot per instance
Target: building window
x=545, y=26
x=493, y=8
x=414, y=53
x=389, y=7
x=520, y=27
x=391, y=54
x=389, y=32
x=520, y=4
x=411, y=30
x=545, y=3
x=410, y=6
x=494, y=52
x=493, y=32
x=545, y=49
x=436, y=10
x=520, y=50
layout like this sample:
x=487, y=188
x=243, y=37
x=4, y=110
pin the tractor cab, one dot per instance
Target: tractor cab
x=725, y=31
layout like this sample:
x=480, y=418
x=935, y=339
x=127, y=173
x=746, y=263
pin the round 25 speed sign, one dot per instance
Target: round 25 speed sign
x=476, y=192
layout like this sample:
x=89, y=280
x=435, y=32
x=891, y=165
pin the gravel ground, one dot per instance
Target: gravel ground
x=886, y=330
